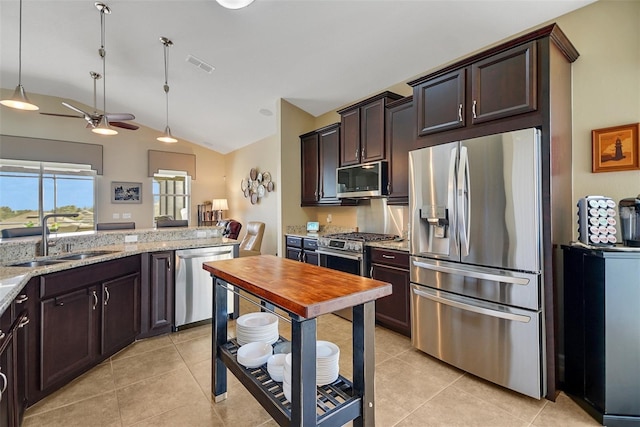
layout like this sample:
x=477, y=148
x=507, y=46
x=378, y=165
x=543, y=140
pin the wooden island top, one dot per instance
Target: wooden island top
x=304, y=289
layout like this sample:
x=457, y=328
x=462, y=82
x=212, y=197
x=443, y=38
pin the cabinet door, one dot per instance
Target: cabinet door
x=372, y=136
x=7, y=371
x=120, y=313
x=311, y=258
x=310, y=172
x=161, y=292
x=68, y=335
x=394, y=311
x=504, y=84
x=401, y=121
x=440, y=103
x=294, y=253
x=350, y=137
x=329, y=162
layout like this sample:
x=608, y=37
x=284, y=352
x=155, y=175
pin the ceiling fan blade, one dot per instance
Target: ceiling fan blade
x=62, y=115
x=76, y=109
x=123, y=125
x=120, y=116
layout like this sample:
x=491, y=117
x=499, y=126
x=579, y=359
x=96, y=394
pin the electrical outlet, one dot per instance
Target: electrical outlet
x=329, y=219
x=201, y=234
x=126, y=215
x=131, y=238
x=116, y=216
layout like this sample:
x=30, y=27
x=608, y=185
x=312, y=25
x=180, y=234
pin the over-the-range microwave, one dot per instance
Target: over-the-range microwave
x=364, y=180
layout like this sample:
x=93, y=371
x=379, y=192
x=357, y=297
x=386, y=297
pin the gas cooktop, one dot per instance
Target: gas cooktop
x=362, y=237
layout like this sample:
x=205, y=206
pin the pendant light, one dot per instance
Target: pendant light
x=103, y=127
x=234, y=4
x=19, y=99
x=166, y=137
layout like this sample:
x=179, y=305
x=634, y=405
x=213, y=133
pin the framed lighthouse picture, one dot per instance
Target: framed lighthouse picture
x=615, y=149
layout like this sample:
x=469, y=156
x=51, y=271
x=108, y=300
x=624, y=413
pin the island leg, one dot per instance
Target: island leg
x=219, y=325
x=303, y=372
x=364, y=361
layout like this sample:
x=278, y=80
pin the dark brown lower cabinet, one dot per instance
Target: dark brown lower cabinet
x=157, y=294
x=393, y=311
x=85, y=315
x=68, y=334
x=13, y=329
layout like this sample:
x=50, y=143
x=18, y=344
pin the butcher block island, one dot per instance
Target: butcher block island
x=304, y=292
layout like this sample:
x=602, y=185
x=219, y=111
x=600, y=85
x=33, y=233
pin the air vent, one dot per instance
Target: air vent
x=200, y=64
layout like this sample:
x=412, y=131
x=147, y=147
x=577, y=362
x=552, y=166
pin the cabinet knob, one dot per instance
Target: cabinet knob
x=460, y=113
x=4, y=385
x=388, y=188
x=24, y=322
x=106, y=295
x=473, y=109
x=356, y=154
x=363, y=152
x=95, y=299
x=21, y=299
x=388, y=256
x=2, y=335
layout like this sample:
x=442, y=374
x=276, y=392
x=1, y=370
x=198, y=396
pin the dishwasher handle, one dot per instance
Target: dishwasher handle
x=205, y=255
x=472, y=308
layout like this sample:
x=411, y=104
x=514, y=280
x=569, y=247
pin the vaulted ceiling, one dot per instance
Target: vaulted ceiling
x=318, y=55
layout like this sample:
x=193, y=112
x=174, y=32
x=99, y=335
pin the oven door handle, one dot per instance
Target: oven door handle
x=347, y=255
x=472, y=308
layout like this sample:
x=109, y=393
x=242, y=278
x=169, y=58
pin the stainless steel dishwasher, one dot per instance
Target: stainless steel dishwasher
x=194, y=287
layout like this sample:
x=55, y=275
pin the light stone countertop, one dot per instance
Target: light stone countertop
x=301, y=231
x=13, y=279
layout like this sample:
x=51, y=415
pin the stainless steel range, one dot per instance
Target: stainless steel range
x=347, y=252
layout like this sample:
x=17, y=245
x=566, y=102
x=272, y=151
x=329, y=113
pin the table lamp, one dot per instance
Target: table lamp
x=219, y=205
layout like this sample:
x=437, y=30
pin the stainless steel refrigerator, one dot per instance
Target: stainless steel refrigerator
x=476, y=265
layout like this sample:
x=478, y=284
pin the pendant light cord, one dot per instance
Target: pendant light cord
x=20, y=48
x=103, y=54
x=166, y=78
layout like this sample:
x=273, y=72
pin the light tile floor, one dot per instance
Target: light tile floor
x=165, y=381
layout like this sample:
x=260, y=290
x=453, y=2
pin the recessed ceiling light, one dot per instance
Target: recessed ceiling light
x=266, y=112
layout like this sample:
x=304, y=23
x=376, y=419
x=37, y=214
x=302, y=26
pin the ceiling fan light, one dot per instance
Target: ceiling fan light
x=19, y=100
x=167, y=137
x=103, y=128
x=234, y=4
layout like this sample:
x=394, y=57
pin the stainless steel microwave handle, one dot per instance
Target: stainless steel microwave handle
x=473, y=308
x=340, y=255
x=472, y=273
x=204, y=255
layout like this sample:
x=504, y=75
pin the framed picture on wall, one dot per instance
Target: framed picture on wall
x=126, y=192
x=615, y=149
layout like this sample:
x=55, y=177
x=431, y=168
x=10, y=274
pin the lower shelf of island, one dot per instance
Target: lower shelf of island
x=336, y=403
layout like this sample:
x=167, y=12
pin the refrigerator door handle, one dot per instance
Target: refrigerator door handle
x=471, y=273
x=473, y=308
x=464, y=202
x=451, y=193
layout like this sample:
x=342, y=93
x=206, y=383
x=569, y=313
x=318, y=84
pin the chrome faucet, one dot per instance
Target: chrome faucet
x=45, y=240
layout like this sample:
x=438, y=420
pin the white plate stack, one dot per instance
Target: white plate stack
x=327, y=366
x=257, y=327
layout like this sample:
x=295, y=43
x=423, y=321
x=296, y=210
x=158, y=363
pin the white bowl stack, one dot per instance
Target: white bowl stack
x=257, y=327
x=275, y=367
x=327, y=366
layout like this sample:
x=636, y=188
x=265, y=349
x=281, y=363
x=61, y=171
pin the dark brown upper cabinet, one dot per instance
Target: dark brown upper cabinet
x=320, y=157
x=362, y=130
x=496, y=86
x=401, y=137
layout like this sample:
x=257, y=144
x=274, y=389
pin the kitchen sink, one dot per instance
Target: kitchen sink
x=84, y=255
x=38, y=263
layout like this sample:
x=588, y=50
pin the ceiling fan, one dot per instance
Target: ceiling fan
x=100, y=123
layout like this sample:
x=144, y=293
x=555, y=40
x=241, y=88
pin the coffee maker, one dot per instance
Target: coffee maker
x=630, y=221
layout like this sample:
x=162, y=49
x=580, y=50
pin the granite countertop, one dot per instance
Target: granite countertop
x=13, y=279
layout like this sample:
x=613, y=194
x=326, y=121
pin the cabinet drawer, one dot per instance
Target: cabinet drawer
x=295, y=242
x=75, y=278
x=390, y=257
x=310, y=244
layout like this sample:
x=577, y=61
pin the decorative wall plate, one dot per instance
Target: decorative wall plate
x=244, y=184
x=260, y=190
x=266, y=177
x=253, y=174
x=270, y=186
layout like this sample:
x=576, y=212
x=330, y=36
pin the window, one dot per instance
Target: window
x=171, y=194
x=29, y=190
